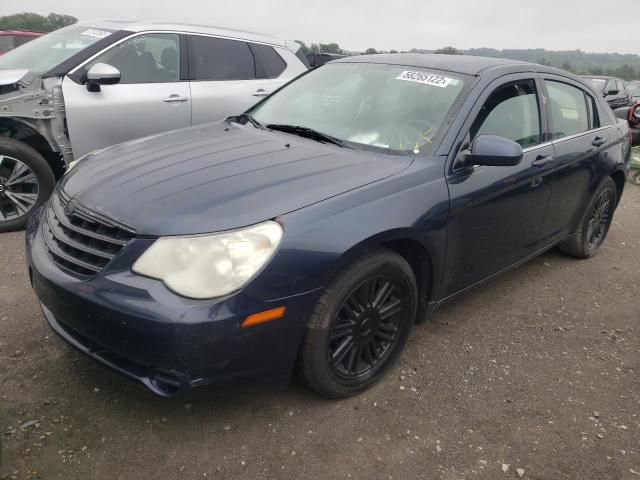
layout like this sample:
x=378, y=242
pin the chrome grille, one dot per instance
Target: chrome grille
x=81, y=241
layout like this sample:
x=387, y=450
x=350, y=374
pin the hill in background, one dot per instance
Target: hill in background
x=626, y=66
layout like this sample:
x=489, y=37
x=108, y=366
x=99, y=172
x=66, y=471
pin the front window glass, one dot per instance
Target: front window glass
x=44, y=53
x=568, y=109
x=511, y=112
x=150, y=58
x=392, y=108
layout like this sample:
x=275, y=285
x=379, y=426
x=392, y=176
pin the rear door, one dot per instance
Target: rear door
x=581, y=141
x=496, y=213
x=152, y=96
x=225, y=77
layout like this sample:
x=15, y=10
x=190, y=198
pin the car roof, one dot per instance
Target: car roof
x=465, y=64
x=150, y=25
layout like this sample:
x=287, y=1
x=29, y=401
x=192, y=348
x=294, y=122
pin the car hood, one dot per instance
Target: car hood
x=218, y=177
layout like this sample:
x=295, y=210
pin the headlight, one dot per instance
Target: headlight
x=636, y=112
x=208, y=266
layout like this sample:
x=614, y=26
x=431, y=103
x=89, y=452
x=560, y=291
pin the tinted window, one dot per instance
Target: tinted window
x=150, y=58
x=511, y=112
x=268, y=63
x=567, y=109
x=220, y=59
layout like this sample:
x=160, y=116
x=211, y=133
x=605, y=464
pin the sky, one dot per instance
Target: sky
x=356, y=25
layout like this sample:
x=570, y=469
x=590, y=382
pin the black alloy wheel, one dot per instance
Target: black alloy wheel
x=360, y=324
x=365, y=327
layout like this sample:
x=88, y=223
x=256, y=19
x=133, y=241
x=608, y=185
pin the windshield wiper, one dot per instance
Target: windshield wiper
x=308, y=133
x=247, y=117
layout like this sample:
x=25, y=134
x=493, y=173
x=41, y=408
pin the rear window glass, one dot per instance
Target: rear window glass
x=220, y=59
x=268, y=63
x=568, y=107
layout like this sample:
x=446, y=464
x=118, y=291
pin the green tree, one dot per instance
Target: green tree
x=370, y=51
x=35, y=22
x=567, y=66
x=331, y=48
x=393, y=51
x=449, y=51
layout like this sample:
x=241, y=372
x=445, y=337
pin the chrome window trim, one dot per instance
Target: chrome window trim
x=580, y=134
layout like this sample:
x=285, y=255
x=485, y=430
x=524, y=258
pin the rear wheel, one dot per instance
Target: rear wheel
x=595, y=223
x=26, y=181
x=360, y=325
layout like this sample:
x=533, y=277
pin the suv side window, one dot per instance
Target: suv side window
x=268, y=63
x=213, y=58
x=512, y=112
x=568, y=110
x=148, y=58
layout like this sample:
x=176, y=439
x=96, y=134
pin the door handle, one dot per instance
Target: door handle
x=598, y=141
x=175, y=98
x=261, y=92
x=542, y=160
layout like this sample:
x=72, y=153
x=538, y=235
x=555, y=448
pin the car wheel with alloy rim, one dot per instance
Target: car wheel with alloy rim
x=26, y=181
x=360, y=325
x=595, y=223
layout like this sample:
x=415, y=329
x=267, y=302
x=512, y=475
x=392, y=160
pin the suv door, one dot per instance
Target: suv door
x=151, y=96
x=225, y=77
x=581, y=142
x=496, y=213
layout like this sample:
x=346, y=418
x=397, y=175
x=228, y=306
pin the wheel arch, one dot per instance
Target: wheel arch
x=28, y=134
x=619, y=179
x=416, y=252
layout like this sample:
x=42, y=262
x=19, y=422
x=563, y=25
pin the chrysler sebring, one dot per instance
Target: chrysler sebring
x=314, y=230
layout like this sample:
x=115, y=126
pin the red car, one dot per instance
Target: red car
x=10, y=39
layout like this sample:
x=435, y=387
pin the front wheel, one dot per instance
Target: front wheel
x=595, y=222
x=26, y=182
x=360, y=325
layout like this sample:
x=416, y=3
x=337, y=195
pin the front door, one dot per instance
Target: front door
x=150, y=97
x=496, y=213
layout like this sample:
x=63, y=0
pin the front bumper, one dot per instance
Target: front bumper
x=139, y=328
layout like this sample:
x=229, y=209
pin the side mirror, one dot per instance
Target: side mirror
x=493, y=151
x=102, y=74
x=611, y=91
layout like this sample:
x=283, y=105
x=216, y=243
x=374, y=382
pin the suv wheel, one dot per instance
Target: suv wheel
x=26, y=182
x=360, y=325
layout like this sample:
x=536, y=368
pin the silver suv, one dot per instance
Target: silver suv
x=92, y=85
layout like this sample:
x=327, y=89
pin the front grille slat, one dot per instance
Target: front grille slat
x=80, y=242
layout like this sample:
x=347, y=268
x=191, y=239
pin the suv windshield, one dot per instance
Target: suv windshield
x=391, y=108
x=44, y=53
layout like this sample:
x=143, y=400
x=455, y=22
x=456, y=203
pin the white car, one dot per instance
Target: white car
x=92, y=85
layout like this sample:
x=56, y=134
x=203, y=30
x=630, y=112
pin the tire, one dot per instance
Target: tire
x=595, y=222
x=20, y=192
x=358, y=306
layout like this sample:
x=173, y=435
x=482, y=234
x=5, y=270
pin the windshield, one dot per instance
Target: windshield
x=44, y=53
x=634, y=88
x=392, y=108
x=598, y=83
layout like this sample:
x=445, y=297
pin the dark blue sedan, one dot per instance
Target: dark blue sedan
x=316, y=229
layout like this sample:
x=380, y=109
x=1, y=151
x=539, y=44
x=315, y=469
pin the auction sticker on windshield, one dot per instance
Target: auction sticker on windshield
x=425, y=78
x=92, y=32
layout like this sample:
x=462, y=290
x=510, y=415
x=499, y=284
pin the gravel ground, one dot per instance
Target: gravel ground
x=534, y=375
